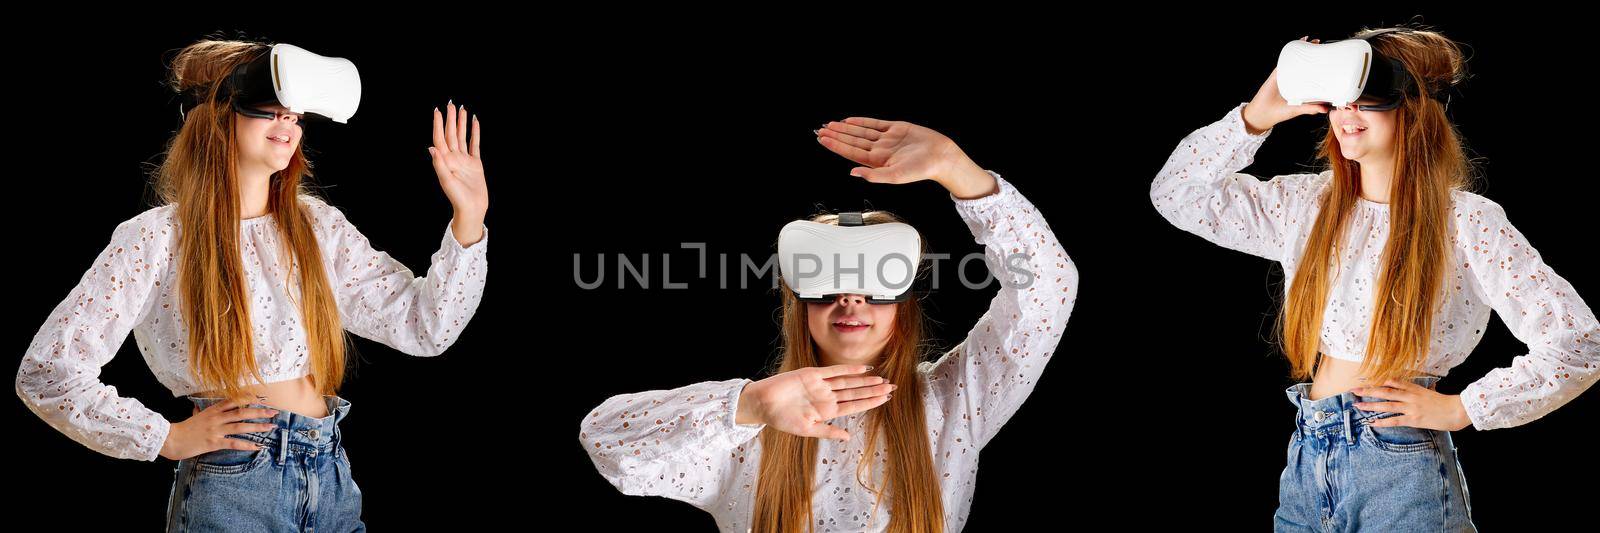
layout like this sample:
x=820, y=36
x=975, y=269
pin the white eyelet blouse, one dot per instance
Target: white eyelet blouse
x=683, y=443
x=1200, y=190
x=132, y=285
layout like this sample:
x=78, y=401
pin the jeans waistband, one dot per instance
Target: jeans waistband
x=293, y=431
x=1339, y=408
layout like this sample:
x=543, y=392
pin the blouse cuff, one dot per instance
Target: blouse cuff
x=739, y=433
x=1236, y=123
x=971, y=206
x=1476, y=409
x=451, y=243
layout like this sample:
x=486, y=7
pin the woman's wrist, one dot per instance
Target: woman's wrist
x=969, y=181
x=1459, y=413
x=168, y=446
x=1253, y=125
x=467, y=228
x=747, y=413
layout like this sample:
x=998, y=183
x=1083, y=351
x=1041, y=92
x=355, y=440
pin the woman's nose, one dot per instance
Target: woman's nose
x=849, y=299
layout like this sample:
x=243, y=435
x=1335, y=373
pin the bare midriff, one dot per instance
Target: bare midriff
x=1335, y=376
x=299, y=396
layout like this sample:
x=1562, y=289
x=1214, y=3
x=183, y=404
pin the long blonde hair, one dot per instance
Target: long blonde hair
x=1430, y=163
x=788, y=462
x=199, y=175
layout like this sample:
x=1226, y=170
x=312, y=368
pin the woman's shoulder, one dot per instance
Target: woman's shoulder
x=1475, y=213
x=155, y=223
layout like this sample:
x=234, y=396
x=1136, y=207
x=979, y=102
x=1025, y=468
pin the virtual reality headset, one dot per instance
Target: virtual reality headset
x=293, y=77
x=1342, y=72
x=821, y=261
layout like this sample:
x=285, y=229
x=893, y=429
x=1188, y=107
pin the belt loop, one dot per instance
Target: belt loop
x=283, y=449
x=1348, y=439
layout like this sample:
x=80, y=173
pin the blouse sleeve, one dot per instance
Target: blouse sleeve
x=380, y=299
x=1543, y=311
x=680, y=443
x=982, y=382
x=59, y=376
x=1200, y=190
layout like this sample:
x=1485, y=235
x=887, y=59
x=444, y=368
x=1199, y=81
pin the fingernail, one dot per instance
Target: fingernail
x=893, y=387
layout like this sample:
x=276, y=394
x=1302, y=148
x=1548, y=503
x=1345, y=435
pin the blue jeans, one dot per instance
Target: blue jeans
x=298, y=481
x=1343, y=474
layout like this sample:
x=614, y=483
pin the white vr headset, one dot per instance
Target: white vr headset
x=820, y=261
x=287, y=75
x=1342, y=72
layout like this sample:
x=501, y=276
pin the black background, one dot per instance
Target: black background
x=1164, y=406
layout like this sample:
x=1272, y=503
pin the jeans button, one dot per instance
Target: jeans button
x=314, y=434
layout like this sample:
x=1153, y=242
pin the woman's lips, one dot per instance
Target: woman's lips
x=841, y=328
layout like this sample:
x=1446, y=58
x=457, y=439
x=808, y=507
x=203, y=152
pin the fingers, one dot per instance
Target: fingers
x=249, y=427
x=1386, y=393
x=849, y=152
x=246, y=413
x=438, y=131
x=1387, y=407
x=476, y=151
x=867, y=122
x=461, y=128
x=826, y=372
x=851, y=140
x=1313, y=108
x=450, y=127
x=853, y=381
x=887, y=174
x=864, y=392
x=853, y=130
x=856, y=406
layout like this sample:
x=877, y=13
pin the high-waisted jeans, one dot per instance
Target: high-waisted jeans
x=1343, y=474
x=298, y=481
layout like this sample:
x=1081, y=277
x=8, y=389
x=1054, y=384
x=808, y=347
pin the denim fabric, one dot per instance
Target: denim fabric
x=298, y=481
x=1343, y=474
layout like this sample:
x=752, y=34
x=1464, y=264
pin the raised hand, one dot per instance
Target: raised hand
x=902, y=152
x=1268, y=107
x=459, y=163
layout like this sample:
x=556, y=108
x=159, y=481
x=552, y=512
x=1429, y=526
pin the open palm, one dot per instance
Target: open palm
x=801, y=402
x=891, y=151
x=458, y=162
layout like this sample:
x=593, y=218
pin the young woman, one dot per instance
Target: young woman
x=211, y=285
x=1393, y=268
x=762, y=455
